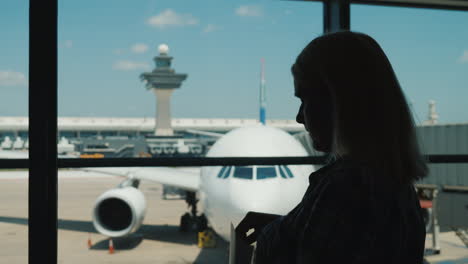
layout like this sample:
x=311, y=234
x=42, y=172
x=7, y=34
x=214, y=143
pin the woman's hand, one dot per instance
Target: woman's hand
x=256, y=221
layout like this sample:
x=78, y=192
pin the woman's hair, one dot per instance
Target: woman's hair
x=371, y=118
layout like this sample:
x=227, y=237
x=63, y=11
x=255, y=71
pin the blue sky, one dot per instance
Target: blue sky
x=105, y=45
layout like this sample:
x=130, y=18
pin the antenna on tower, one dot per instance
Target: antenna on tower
x=262, y=93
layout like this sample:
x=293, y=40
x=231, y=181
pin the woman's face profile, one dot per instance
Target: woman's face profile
x=315, y=113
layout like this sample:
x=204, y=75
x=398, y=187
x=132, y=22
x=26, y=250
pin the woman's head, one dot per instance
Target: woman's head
x=352, y=104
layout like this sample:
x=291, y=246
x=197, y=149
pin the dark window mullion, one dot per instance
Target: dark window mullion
x=42, y=131
x=209, y=161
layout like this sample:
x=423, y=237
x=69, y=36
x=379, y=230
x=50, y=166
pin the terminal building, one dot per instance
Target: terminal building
x=190, y=136
x=82, y=127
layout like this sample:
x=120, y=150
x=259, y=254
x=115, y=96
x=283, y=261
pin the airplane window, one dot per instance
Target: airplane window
x=266, y=172
x=285, y=172
x=221, y=172
x=243, y=172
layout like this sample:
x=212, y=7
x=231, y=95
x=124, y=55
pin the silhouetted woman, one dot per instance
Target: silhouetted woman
x=361, y=207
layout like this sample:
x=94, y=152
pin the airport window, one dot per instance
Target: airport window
x=14, y=76
x=10, y=135
x=88, y=134
x=243, y=172
x=23, y=134
x=266, y=173
x=108, y=133
x=40, y=189
x=129, y=134
x=422, y=76
x=106, y=61
x=429, y=54
x=68, y=134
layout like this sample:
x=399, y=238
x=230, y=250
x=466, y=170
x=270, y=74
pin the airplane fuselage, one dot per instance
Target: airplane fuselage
x=228, y=193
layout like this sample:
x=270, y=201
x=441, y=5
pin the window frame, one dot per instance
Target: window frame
x=43, y=162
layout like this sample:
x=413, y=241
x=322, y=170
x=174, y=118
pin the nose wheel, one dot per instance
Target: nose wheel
x=190, y=221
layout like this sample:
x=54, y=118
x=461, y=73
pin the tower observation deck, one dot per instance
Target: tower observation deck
x=163, y=80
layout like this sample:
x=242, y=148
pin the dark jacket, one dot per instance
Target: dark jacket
x=348, y=215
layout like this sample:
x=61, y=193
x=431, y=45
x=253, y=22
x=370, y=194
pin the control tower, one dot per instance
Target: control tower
x=163, y=80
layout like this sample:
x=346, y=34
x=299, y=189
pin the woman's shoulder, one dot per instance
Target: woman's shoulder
x=339, y=169
x=366, y=171
x=352, y=175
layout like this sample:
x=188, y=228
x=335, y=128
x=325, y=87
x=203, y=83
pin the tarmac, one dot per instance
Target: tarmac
x=157, y=241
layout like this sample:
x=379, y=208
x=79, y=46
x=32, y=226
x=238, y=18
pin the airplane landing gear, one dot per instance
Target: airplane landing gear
x=190, y=221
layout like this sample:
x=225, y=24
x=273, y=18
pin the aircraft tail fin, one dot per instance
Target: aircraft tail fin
x=262, y=118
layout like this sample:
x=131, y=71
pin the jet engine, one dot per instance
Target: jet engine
x=119, y=212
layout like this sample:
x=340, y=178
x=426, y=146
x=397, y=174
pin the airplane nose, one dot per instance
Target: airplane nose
x=256, y=198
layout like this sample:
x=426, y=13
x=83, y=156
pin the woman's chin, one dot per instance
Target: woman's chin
x=319, y=147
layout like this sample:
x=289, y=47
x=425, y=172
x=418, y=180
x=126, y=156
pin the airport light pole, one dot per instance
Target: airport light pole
x=163, y=80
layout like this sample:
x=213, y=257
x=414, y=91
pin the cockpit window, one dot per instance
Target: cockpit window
x=285, y=172
x=228, y=172
x=243, y=172
x=221, y=172
x=265, y=172
x=224, y=172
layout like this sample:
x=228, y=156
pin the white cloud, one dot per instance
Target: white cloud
x=68, y=43
x=464, y=57
x=11, y=78
x=249, y=10
x=139, y=48
x=210, y=28
x=169, y=18
x=130, y=65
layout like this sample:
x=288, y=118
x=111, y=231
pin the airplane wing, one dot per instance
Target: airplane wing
x=186, y=178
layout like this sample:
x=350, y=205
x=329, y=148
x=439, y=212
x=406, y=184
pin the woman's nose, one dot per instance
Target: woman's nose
x=300, y=116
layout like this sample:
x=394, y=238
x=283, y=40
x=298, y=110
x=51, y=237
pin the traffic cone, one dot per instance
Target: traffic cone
x=111, y=247
x=90, y=244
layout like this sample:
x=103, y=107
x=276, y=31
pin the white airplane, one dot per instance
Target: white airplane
x=226, y=193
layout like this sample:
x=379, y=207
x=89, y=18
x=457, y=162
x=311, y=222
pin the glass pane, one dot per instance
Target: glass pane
x=14, y=27
x=124, y=69
x=282, y=172
x=243, y=172
x=429, y=53
x=265, y=172
x=286, y=171
x=227, y=173
x=222, y=172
